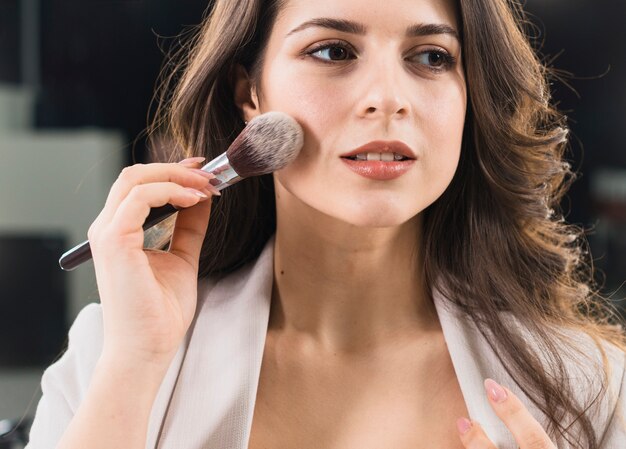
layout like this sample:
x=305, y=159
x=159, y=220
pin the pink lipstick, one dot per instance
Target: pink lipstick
x=380, y=160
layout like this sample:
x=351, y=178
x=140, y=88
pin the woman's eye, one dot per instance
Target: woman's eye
x=331, y=52
x=435, y=59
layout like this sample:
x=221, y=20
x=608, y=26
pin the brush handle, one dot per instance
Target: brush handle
x=225, y=176
x=82, y=253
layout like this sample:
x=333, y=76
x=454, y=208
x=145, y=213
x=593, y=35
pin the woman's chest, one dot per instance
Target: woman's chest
x=402, y=404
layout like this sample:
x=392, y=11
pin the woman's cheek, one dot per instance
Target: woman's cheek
x=308, y=95
x=314, y=107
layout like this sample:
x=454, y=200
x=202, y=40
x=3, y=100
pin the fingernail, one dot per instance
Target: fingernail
x=206, y=174
x=495, y=391
x=194, y=160
x=464, y=425
x=197, y=192
x=211, y=188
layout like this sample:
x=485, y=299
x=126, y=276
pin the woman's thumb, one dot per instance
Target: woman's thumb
x=189, y=231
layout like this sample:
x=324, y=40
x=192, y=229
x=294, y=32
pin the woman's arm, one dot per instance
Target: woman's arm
x=116, y=408
x=101, y=392
x=90, y=401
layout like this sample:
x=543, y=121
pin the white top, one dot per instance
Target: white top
x=218, y=367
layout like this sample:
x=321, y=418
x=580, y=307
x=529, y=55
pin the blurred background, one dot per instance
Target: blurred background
x=76, y=81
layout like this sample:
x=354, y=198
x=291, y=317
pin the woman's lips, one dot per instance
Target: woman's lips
x=384, y=146
x=396, y=159
x=379, y=170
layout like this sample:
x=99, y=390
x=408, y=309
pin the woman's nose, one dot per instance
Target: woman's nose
x=383, y=95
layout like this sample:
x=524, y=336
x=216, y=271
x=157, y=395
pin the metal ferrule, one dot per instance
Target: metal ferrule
x=225, y=175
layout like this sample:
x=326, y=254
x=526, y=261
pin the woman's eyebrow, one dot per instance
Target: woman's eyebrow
x=348, y=26
x=429, y=29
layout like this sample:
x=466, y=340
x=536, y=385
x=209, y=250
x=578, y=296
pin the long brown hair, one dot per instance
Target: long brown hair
x=495, y=241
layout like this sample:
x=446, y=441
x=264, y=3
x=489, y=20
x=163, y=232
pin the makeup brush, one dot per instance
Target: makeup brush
x=268, y=143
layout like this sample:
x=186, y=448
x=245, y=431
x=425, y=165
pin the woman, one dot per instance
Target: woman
x=334, y=309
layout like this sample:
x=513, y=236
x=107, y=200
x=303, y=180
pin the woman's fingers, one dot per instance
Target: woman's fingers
x=192, y=161
x=189, y=231
x=128, y=220
x=472, y=435
x=140, y=174
x=142, y=187
x=527, y=431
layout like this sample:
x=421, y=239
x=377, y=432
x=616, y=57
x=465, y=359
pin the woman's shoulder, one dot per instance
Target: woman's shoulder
x=72, y=371
x=584, y=353
x=86, y=334
x=578, y=343
x=601, y=385
x=593, y=367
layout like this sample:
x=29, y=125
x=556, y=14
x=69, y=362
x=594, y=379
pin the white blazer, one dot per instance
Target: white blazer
x=207, y=397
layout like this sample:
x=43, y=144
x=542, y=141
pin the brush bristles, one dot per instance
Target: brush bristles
x=268, y=143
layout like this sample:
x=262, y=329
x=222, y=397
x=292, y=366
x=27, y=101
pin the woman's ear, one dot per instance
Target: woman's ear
x=246, y=97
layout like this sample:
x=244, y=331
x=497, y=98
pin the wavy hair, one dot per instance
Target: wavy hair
x=495, y=241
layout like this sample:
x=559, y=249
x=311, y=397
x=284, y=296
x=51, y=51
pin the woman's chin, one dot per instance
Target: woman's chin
x=364, y=210
x=381, y=217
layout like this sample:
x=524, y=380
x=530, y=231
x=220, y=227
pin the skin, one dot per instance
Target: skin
x=362, y=236
x=526, y=430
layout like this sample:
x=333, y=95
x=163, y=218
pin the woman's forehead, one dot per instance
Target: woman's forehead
x=392, y=15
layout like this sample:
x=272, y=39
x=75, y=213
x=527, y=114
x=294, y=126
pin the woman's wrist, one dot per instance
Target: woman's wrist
x=115, y=411
x=147, y=372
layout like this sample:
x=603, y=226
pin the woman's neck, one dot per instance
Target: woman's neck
x=346, y=288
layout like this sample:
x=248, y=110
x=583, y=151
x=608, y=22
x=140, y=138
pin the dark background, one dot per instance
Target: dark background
x=99, y=61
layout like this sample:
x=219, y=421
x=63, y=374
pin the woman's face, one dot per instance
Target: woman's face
x=353, y=72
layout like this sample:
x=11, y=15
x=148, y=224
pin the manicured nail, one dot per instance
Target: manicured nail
x=193, y=160
x=211, y=188
x=197, y=192
x=464, y=425
x=495, y=391
x=206, y=174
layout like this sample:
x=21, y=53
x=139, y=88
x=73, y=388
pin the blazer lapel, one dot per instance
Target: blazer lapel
x=162, y=400
x=213, y=400
x=474, y=361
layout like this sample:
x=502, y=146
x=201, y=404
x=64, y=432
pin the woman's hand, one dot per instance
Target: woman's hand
x=149, y=297
x=526, y=430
